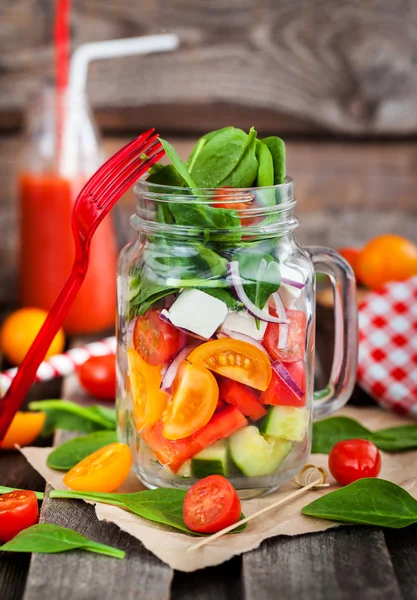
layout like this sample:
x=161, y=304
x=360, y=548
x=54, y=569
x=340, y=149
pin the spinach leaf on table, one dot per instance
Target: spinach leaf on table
x=276, y=146
x=70, y=453
x=260, y=275
x=328, y=432
x=161, y=505
x=226, y=159
x=49, y=539
x=367, y=502
x=63, y=414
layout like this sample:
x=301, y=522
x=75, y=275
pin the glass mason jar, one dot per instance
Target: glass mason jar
x=216, y=327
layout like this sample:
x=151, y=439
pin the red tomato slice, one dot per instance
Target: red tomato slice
x=174, y=453
x=98, y=376
x=280, y=394
x=242, y=397
x=18, y=510
x=295, y=349
x=211, y=504
x=156, y=340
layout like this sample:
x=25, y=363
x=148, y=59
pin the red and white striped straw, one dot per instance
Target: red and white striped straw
x=63, y=364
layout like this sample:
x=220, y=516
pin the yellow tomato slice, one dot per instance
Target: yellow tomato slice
x=148, y=399
x=103, y=471
x=24, y=429
x=194, y=399
x=235, y=359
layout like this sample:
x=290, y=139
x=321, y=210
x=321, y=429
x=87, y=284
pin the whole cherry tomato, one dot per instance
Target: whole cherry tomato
x=386, y=258
x=211, y=504
x=18, y=510
x=98, y=376
x=351, y=460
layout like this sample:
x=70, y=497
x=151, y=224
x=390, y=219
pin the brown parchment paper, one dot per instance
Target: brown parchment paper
x=170, y=547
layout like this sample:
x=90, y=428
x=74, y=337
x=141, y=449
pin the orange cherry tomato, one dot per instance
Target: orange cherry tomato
x=18, y=510
x=148, y=399
x=235, y=359
x=352, y=256
x=194, y=399
x=211, y=504
x=25, y=428
x=103, y=471
x=387, y=258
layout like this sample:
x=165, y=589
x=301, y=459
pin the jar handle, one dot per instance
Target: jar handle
x=343, y=373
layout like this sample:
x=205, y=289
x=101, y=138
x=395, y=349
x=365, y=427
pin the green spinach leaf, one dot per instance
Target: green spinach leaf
x=276, y=147
x=200, y=145
x=177, y=162
x=163, y=506
x=62, y=414
x=6, y=490
x=49, y=539
x=221, y=155
x=367, y=502
x=206, y=217
x=265, y=177
x=70, y=453
x=260, y=274
x=167, y=175
x=328, y=432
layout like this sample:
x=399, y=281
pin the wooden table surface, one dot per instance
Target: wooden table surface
x=348, y=563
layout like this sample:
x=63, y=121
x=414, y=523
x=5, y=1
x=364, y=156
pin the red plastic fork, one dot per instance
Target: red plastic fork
x=93, y=203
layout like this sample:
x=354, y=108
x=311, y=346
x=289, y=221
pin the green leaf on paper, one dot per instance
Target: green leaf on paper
x=367, y=502
x=163, y=506
x=70, y=453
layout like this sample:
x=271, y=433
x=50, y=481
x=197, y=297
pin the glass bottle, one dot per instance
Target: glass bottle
x=48, y=187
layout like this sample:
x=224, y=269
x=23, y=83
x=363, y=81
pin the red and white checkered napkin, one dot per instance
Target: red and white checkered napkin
x=388, y=346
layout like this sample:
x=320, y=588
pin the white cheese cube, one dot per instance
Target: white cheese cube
x=198, y=312
x=290, y=294
x=243, y=322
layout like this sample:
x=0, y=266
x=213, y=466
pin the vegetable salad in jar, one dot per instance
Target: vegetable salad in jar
x=215, y=327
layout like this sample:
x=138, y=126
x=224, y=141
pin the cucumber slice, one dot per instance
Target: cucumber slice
x=286, y=422
x=211, y=461
x=255, y=454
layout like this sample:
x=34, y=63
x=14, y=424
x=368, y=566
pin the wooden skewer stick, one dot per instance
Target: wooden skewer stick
x=318, y=482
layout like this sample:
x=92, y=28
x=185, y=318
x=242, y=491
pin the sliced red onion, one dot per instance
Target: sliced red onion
x=297, y=284
x=243, y=338
x=172, y=370
x=236, y=283
x=283, y=374
x=281, y=314
x=165, y=316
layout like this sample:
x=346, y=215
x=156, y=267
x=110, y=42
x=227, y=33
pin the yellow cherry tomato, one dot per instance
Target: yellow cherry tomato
x=103, y=471
x=20, y=329
x=148, y=399
x=25, y=428
x=195, y=394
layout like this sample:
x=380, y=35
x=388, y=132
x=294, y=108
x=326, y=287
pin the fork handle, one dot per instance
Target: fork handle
x=26, y=373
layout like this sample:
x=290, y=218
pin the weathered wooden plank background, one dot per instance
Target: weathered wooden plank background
x=297, y=65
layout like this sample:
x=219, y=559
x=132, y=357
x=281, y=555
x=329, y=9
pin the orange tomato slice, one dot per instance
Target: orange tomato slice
x=148, y=399
x=103, y=471
x=194, y=399
x=25, y=428
x=235, y=359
